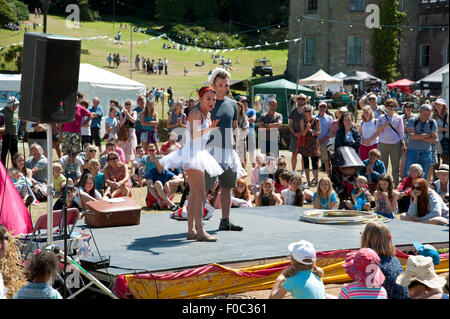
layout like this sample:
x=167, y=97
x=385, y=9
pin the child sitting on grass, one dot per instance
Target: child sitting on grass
x=240, y=196
x=294, y=194
x=303, y=278
x=325, y=197
x=23, y=185
x=40, y=270
x=58, y=178
x=267, y=195
x=137, y=172
x=362, y=266
x=360, y=195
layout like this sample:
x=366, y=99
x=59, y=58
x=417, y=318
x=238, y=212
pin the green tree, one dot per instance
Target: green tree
x=386, y=41
x=7, y=13
x=21, y=10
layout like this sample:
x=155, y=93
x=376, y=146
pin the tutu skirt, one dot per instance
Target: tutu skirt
x=186, y=159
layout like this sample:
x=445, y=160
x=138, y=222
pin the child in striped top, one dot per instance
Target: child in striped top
x=363, y=267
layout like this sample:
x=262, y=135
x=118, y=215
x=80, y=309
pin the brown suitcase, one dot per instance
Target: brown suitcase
x=120, y=211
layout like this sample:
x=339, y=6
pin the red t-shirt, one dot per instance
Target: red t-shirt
x=75, y=126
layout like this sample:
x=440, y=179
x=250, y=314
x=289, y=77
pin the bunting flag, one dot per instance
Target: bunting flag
x=164, y=36
x=14, y=214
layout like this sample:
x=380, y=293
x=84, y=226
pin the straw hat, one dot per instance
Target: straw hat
x=363, y=267
x=420, y=268
x=443, y=168
x=302, y=96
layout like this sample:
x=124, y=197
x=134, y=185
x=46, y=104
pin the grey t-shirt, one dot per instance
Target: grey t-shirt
x=265, y=118
x=226, y=112
x=296, y=117
x=421, y=128
x=41, y=163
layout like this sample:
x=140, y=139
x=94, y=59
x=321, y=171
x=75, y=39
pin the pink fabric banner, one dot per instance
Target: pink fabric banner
x=14, y=214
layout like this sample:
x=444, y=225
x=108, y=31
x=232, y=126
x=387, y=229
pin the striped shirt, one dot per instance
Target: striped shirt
x=357, y=290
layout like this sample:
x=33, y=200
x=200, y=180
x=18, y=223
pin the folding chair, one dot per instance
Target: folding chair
x=39, y=234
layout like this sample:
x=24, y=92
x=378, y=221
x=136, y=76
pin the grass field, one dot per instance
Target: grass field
x=183, y=86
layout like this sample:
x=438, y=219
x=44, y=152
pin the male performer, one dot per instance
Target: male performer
x=225, y=110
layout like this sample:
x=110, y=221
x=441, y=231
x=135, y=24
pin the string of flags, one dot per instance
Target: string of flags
x=187, y=47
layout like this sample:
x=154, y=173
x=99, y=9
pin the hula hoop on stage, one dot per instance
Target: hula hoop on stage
x=341, y=217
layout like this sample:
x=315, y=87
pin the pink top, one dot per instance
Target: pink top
x=357, y=290
x=75, y=126
x=121, y=154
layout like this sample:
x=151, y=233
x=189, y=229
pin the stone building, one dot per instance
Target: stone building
x=335, y=38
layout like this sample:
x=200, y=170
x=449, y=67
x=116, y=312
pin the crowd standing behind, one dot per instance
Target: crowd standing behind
x=412, y=145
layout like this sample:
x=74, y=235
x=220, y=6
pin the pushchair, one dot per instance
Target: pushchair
x=345, y=167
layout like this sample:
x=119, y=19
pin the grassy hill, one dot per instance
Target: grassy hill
x=183, y=86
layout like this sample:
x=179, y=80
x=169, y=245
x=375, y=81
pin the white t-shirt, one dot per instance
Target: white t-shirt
x=288, y=196
x=86, y=130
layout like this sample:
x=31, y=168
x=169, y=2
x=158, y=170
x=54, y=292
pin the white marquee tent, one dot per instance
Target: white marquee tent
x=93, y=82
x=340, y=75
x=324, y=80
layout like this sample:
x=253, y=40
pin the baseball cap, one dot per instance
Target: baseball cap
x=343, y=109
x=323, y=103
x=243, y=99
x=428, y=251
x=303, y=252
x=372, y=96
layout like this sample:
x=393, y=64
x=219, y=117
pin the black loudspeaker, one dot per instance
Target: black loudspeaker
x=49, y=85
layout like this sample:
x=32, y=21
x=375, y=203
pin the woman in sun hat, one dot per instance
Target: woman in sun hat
x=302, y=279
x=363, y=267
x=421, y=279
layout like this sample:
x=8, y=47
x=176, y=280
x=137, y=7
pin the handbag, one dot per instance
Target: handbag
x=301, y=140
x=123, y=133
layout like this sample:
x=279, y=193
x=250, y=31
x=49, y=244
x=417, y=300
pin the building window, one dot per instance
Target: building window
x=311, y=6
x=355, y=50
x=424, y=55
x=310, y=48
x=357, y=5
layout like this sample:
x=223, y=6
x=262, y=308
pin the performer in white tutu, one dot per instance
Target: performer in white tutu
x=195, y=161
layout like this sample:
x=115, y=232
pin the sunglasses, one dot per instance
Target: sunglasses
x=415, y=187
x=93, y=151
x=112, y=158
x=372, y=98
x=308, y=111
x=151, y=150
x=4, y=238
x=127, y=103
x=390, y=105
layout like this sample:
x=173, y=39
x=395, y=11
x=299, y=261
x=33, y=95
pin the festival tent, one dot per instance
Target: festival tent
x=360, y=76
x=340, y=75
x=433, y=80
x=402, y=84
x=280, y=90
x=92, y=82
x=324, y=80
